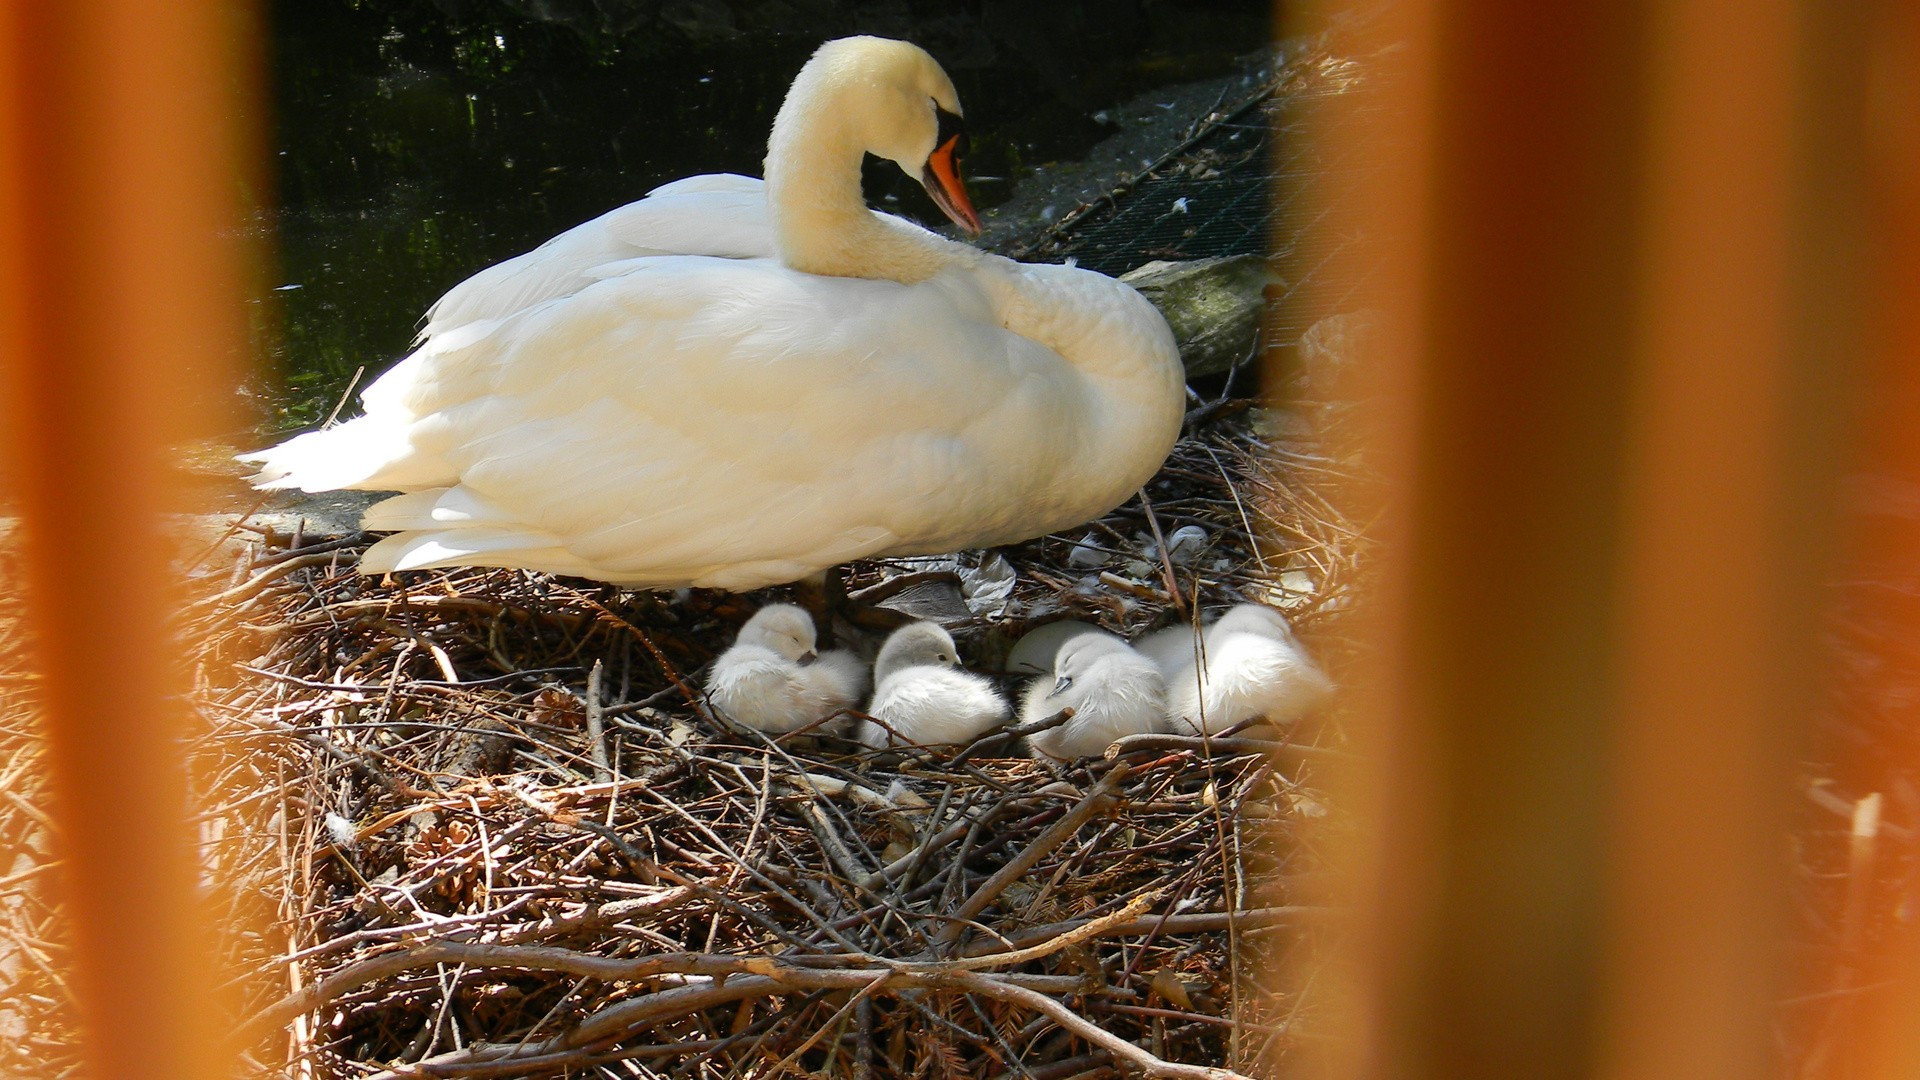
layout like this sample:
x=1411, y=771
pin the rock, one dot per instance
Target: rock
x=1213, y=305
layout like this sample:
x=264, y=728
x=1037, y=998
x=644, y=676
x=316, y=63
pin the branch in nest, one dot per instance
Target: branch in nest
x=252, y=586
x=1055, y=835
x=752, y=977
x=1219, y=747
x=1200, y=923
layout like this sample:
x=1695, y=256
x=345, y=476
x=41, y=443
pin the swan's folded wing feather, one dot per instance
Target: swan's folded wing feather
x=720, y=215
x=718, y=413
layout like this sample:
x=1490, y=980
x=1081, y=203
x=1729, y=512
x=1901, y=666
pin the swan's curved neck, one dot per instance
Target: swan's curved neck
x=821, y=223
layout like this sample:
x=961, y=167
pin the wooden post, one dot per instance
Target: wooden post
x=1620, y=343
x=118, y=271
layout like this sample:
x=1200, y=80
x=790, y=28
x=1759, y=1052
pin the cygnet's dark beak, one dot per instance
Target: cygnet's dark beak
x=807, y=658
x=942, y=174
x=1060, y=685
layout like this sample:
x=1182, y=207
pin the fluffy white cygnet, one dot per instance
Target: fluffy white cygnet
x=1254, y=668
x=770, y=679
x=1170, y=649
x=1113, y=691
x=923, y=696
x=1034, y=653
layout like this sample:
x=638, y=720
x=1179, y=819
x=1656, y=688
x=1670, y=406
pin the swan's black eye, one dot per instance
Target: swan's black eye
x=951, y=127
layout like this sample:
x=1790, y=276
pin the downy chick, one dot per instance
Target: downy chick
x=1113, y=691
x=770, y=679
x=1254, y=668
x=921, y=693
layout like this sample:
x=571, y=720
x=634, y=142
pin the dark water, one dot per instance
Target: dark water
x=418, y=142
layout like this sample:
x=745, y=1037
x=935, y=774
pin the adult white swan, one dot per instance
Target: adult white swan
x=733, y=384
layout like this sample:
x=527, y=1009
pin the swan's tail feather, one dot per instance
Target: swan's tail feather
x=437, y=508
x=520, y=549
x=414, y=510
x=365, y=454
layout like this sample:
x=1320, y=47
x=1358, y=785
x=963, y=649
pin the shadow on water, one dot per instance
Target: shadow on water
x=418, y=141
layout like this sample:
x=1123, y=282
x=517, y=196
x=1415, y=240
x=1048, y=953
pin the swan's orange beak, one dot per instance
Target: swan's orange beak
x=942, y=180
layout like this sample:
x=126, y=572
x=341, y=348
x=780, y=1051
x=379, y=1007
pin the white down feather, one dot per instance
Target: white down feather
x=1113, y=691
x=1254, y=668
x=771, y=680
x=922, y=697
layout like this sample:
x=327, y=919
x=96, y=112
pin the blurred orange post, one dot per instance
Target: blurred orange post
x=118, y=276
x=1628, y=257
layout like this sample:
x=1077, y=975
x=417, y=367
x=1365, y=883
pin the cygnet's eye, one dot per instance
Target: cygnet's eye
x=1060, y=685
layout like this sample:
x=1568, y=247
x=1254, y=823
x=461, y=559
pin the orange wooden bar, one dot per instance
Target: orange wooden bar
x=118, y=268
x=1624, y=371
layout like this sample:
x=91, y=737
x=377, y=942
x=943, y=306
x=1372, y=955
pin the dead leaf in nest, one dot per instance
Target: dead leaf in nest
x=557, y=708
x=743, y=1016
x=895, y=852
x=1082, y=959
x=1166, y=983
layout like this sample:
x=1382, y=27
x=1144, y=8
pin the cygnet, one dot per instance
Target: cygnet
x=1171, y=649
x=921, y=693
x=1254, y=669
x=1113, y=691
x=770, y=679
x=1033, y=654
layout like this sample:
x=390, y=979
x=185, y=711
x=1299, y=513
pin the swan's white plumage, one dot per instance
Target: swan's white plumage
x=658, y=398
x=922, y=697
x=1113, y=691
x=719, y=214
x=769, y=679
x=1253, y=669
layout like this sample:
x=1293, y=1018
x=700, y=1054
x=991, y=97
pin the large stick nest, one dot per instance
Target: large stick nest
x=407, y=789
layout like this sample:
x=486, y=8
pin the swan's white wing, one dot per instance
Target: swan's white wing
x=733, y=423
x=721, y=214
x=730, y=422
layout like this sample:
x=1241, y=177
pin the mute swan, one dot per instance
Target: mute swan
x=770, y=679
x=733, y=383
x=1113, y=690
x=923, y=696
x=1254, y=669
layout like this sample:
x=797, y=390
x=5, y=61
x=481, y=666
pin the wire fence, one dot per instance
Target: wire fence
x=1247, y=181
